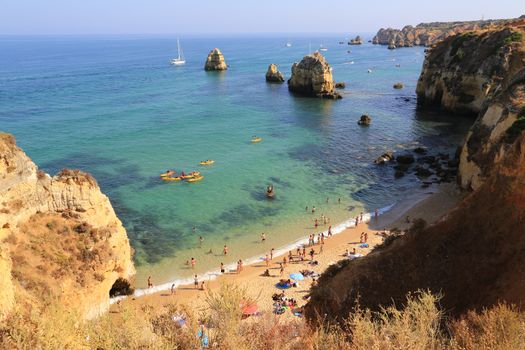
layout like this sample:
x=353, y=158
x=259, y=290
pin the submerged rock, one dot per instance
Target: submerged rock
x=365, y=120
x=385, y=158
x=398, y=86
x=273, y=75
x=215, y=61
x=405, y=159
x=313, y=77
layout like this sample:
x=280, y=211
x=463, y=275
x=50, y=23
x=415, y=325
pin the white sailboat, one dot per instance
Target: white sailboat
x=322, y=48
x=180, y=59
x=288, y=44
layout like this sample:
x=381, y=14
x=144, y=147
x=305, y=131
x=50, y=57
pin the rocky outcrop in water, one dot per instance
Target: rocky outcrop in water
x=273, y=75
x=313, y=77
x=215, y=61
x=427, y=34
x=365, y=120
x=356, y=41
x=481, y=74
x=59, y=237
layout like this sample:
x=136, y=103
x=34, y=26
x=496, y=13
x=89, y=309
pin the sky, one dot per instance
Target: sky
x=74, y=17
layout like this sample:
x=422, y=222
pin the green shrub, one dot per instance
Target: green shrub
x=512, y=38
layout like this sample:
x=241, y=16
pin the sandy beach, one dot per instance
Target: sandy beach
x=430, y=205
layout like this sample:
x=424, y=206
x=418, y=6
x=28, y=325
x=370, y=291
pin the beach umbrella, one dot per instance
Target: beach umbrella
x=297, y=276
x=249, y=307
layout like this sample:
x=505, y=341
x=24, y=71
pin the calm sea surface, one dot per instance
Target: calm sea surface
x=113, y=106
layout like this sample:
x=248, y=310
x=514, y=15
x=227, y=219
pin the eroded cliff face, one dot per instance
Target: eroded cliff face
x=60, y=237
x=480, y=73
x=313, y=77
x=427, y=34
x=474, y=255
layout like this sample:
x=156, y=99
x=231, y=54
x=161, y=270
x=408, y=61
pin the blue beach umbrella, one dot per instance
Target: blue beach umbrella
x=297, y=276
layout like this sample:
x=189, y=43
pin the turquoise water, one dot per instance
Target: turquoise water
x=113, y=106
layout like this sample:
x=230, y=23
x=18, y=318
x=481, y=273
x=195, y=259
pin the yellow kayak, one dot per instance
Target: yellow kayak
x=165, y=178
x=197, y=178
x=208, y=162
x=191, y=175
x=256, y=139
x=167, y=174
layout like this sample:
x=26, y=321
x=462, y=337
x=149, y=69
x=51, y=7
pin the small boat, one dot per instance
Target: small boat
x=168, y=173
x=190, y=175
x=178, y=178
x=256, y=139
x=288, y=44
x=369, y=71
x=322, y=48
x=196, y=178
x=180, y=58
x=207, y=162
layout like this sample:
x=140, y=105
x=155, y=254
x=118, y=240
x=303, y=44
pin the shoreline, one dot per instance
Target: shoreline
x=431, y=204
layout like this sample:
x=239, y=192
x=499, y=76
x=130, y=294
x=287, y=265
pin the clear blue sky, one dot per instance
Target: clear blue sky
x=237, y=16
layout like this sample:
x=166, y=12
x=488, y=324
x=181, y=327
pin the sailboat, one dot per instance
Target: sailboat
x=288, y=44
x=322, y=48
x=180, y=59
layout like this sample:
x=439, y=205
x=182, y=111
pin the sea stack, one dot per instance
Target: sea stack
x=215, y=61
x=313, y=77
x=273, y=75
x=356, y=41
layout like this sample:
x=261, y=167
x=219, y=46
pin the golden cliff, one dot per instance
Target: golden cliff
x=480, y=73
x=59, y=239
x=474, y=254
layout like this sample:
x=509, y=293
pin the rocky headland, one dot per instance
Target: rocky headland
x=215, y=61
x=473, y=255
x=60, y=239
x=273, y=75
x=313, y=77
x=427, y=34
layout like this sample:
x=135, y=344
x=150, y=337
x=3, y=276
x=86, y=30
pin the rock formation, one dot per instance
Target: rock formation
x=427, y=34
x=398, y=86
x=473, y=256
x=365, y=120
x=340, y=85
x=481, y=74
x=59, y=238
x=273, y=75
x=215, y=61
x=356, y=41
x=313, y=77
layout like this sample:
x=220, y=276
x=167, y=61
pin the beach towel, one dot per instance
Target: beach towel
x=364, y=245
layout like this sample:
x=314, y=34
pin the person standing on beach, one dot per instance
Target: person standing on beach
x=281, y=270
x=222, y=268
x=356, y=221
x=196, y=282
x=284, y=261
x=366, y=236
x=241, y=265
x=304, y=252
x=271, y=253
x=193, y=262
x=225, y=250
x=150, y=284
x=263, y=237
x=202, y=286
x=330, y=231
x=316, y=223
x=361, y=217
x=312, y=253
x=172, y=289
x=267, y=260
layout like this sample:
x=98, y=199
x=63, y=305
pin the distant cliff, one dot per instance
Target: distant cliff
x=474, y=255
x=427, y=34
x=59, y=237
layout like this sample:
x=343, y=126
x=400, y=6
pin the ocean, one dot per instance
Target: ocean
x=115, y=107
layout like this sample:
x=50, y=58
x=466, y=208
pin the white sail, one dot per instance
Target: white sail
x=180, y=58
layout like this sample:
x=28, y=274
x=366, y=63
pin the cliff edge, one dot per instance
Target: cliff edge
x=473, y=255
x=59, y=239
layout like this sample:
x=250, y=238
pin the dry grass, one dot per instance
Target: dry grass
x=419, y=324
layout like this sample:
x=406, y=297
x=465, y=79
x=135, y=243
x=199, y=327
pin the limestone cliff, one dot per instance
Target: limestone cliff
x=427, y=34
x=60, y=237
x=474, y=255
x=480, y=73
x=313, y=77
x=215, y=61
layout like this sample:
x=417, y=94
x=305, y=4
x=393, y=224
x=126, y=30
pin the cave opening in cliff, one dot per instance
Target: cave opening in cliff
x=121, y=287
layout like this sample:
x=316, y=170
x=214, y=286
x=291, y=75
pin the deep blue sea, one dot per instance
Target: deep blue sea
x=115, y=107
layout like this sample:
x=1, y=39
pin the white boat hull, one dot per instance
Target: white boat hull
x=177, y=63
